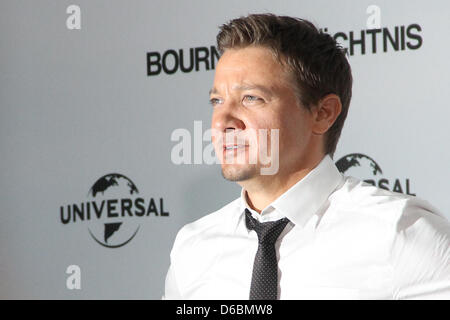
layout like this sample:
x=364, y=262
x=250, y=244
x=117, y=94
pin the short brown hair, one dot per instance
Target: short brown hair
x=314, y=59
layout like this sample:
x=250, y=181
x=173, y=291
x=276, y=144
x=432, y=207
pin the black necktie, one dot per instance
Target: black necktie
x=265, y=268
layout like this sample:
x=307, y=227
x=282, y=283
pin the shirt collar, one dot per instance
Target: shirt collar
x=304, y=198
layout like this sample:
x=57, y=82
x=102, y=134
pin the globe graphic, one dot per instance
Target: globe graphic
x=113, y=187
x=359, y=165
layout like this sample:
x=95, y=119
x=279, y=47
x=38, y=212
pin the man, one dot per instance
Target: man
x=302, y=231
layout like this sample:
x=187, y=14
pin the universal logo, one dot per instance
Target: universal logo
x=364, y=167
x=113, y=211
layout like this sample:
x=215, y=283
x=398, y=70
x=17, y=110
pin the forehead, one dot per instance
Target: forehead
x=254, y=64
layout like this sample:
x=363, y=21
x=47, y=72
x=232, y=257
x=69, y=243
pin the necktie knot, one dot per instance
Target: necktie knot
x=268, y=232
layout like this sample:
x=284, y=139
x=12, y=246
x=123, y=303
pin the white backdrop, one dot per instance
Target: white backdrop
x=78, y=104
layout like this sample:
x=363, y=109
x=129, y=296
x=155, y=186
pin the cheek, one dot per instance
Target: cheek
x=260, y=132
x=296, y=131
x=265, y=133
x=268, y=121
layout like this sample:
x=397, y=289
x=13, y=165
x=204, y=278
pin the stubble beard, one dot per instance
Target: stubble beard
x=239, y=172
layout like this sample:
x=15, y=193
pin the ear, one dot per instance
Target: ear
x=326, y=113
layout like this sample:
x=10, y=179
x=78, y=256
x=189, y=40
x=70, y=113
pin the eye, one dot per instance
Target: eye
x=252, y=99
x=215, y=101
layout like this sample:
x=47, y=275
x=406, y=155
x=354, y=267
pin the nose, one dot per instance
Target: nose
x=226, y=119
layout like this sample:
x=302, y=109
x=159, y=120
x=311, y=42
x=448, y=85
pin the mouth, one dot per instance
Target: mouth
x=234, y=147
x=233, y=151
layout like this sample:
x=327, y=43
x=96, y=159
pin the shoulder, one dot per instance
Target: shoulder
x=415, y=234
x=386, y=220
x=212, y=223
x=392, y=209
x=195, y=248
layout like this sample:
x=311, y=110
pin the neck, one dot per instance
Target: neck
x=264, y=190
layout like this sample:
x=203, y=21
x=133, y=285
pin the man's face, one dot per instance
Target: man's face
x=251, y=92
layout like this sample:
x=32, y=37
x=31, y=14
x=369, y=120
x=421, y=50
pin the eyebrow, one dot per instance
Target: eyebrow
x=213, y=90
x=244, y=87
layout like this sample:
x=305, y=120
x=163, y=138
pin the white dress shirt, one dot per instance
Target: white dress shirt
x=346, y=240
